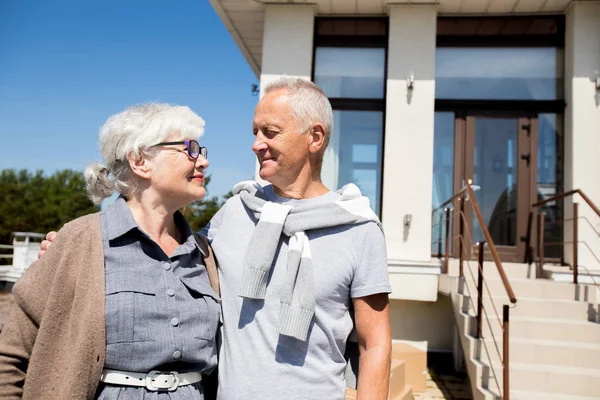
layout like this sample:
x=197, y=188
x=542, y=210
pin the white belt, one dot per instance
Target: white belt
x=153, y=380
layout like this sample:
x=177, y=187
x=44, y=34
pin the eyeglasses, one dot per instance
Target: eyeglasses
x=193, y=148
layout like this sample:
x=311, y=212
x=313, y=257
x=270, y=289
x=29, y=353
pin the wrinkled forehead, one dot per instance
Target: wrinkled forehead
x=274, y=108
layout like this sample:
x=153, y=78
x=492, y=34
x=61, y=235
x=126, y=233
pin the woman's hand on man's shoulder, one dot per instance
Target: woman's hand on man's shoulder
x=50, y=236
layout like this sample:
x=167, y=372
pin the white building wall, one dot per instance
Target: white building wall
x=408, y=159
x=420, y=321
x=582, y=125
x=287, y=42
x=287, y=45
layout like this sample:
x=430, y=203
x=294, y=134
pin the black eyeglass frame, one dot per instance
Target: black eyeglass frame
x=202, y=151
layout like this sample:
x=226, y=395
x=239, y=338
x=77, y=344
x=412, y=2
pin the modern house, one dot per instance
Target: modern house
x=462, y=120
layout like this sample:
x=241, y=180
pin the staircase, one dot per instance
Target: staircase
x=554, y=334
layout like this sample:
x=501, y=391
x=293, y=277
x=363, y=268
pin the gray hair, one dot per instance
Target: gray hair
x=308, y=102
x=131, y=133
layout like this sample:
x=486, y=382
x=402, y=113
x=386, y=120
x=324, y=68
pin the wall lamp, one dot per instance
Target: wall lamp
x=410, y=81
x=597, y=87
x=254, y=90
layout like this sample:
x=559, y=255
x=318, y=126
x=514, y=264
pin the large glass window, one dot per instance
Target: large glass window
x=354, y=153
x=350, y=72
x=349, y=66
x=493, y=73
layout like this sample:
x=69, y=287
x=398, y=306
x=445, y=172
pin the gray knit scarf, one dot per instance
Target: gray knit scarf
x=274, y=219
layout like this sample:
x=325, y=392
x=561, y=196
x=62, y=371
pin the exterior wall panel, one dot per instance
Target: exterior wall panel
x=408, y=147
x=287, y=46
x=582, y=127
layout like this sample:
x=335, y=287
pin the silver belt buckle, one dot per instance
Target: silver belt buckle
x=159, y=380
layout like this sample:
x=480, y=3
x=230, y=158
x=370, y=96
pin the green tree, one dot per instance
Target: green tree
x=32, y=202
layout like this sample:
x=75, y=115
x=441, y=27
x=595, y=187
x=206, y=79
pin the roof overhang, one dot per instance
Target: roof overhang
x=244, y=19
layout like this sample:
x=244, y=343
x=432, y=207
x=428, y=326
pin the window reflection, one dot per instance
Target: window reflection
x=365, y=153
x=499, y=73
x=350, y=72
x=549, y=178
x=495, y=172
x=354, y=153
x=443, y=172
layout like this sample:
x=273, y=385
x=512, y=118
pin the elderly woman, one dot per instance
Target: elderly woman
x=121, y=306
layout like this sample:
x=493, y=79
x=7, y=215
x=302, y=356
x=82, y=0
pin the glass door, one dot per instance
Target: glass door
x=499, y=162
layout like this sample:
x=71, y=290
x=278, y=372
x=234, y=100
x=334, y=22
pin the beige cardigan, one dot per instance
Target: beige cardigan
x=54, y=345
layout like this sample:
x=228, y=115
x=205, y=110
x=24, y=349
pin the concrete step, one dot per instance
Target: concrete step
x=398, y=390
x=543, y=308
x=549, y=378
x=512, y=270
x=525, y=395
x=397, y=380
x=406, y=394
x=545, y=329
x=540, y=288
x=555, y=349
x=562, y=273
x=545, y=352
x=523, y=282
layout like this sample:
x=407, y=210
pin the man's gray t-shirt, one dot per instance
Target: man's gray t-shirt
x=256, y=362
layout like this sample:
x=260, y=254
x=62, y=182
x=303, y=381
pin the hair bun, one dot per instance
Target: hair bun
x=99, y=186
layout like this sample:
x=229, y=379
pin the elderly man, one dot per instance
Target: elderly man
x=287, y=297
x=297, y=263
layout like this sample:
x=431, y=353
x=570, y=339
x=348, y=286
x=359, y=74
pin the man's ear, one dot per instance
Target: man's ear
x=139, y=165
x=317, y=138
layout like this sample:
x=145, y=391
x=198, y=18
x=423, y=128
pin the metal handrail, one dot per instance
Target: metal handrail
x=492, y=247
x=567, y=194
x=575, y=219
x=466, y=236
x=451, y=199
x=488, y=237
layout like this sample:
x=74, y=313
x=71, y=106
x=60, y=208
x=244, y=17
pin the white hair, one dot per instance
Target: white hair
x=308, y=102
x=132, y=132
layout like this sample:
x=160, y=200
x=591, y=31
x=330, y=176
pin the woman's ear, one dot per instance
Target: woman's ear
x=139, y=165
x=317, y=138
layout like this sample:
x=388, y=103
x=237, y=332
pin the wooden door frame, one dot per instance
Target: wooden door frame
x=464, y=137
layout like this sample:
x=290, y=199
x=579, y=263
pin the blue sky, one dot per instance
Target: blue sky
x=65, y=66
